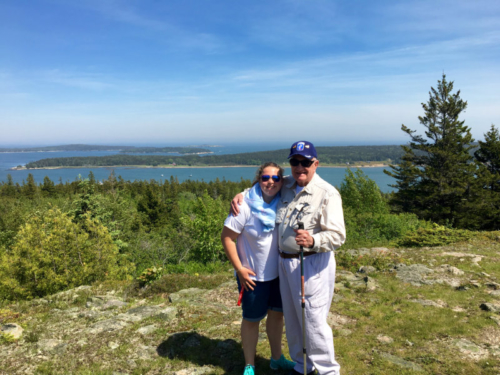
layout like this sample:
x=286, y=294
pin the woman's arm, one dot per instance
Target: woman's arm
x=228, y=237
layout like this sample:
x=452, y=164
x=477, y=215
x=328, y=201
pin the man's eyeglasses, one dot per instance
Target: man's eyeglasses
x=305, y=162
x=266, y=177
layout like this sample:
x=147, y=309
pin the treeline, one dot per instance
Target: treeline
x=327, y=155
x=88, y=148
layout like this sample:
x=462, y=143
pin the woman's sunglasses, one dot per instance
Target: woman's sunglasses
x=266, y=177
x=305, y=163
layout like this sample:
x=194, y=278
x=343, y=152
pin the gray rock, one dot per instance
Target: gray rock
x=345, y=274
x=426, y=302
x=51, y=345
x=401, y=362
x=470, y=349
x=107, y=325
x=455, y=271
x=167, y=314
x=454, y=283
x=146, y=330
x=379, y=250
x=94, y=301
x=12, y=329
x=496, y=319
x=475, y=283
x=385, y=339
x=186, y=295
x=142, y=312
x=495, y=293
x=113, y=345
x=145, y=352
x=195, y=371
x=336, y=320
x=39, y=302
x=71, y=294
x=192, y=341
x=493, y=307
x=89, y=314
x=367, y=269
x=114, y=303
x=493, y=285
x=370, y=283
x=226, y=346
x=414, y=274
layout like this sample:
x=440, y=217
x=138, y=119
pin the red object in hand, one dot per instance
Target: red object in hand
x=241, y=296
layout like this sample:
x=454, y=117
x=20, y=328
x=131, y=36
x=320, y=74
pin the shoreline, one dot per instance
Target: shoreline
x=374, y=165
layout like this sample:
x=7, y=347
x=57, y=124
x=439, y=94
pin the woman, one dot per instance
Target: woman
x=255, y=260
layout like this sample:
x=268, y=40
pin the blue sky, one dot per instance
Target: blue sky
x=189, y=72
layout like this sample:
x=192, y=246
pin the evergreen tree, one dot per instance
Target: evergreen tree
x=435, y=178
x=488, y=155
x=488, y=177
x=48, y=188
x=30, y=188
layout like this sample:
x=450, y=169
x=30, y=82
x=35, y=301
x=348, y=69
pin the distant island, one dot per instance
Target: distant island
x=328, y=156
x=122, y=149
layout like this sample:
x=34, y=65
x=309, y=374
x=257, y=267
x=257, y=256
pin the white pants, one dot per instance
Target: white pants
x=319, y=283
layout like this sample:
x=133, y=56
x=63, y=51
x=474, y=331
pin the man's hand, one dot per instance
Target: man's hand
x=303, y=238
x=245, y=280
x=235, y=203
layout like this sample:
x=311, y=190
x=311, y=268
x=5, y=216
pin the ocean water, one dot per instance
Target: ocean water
x=10, y=160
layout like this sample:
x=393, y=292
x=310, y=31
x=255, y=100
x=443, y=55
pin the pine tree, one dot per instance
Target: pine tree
x=488, y=177
x=435, y=178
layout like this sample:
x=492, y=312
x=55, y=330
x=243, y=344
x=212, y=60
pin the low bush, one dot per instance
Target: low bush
x=51, y=253
x=434, y=235
x=370, y=229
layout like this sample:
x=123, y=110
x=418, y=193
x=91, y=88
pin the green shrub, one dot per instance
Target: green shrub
x=52, y=253
x=434, y=235
x=360, y=194
x=368, y=229
x=149, y=275
x=205, y=227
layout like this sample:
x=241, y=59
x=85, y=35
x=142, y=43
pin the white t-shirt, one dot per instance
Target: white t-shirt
x=257, y=250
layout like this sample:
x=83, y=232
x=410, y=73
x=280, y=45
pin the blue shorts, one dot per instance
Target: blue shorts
x=264, y=296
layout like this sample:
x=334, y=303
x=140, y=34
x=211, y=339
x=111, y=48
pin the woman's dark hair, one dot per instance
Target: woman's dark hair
x=264, y=166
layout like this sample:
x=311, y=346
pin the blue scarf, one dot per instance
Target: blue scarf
x=266, y=212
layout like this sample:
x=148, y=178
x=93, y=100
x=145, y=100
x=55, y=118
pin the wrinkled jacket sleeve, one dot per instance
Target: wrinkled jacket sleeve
x=332, y=234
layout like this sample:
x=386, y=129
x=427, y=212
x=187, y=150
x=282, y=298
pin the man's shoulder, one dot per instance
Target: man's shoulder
x=328, y=188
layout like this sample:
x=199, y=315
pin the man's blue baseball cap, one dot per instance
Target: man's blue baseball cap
x=304, y=148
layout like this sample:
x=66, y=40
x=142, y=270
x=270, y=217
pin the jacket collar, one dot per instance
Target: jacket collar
x=308, y=188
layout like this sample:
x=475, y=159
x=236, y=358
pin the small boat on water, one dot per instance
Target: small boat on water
x=190, y=175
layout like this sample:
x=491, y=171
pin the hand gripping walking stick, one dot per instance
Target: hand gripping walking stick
x=301, y=226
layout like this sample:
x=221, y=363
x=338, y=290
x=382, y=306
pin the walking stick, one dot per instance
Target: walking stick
x=301, y=226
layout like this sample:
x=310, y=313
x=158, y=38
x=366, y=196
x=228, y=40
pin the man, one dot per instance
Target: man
x=306, y=198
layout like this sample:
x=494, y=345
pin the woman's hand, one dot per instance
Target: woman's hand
x=245, y=280
x=235, y=204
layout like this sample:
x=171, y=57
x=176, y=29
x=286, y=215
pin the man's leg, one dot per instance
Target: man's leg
x=289, y=271
x=319, y=275
x=320, y=284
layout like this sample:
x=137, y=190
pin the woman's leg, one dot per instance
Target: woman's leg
x=274, y=329
x=249, y=338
